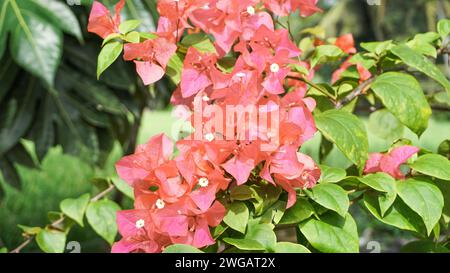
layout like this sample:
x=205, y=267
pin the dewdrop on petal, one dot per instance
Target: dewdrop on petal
x=209, y=137
x=140, y=223
x=274, y=67
x=160, y=204
x=250, y=10
x=203, y=182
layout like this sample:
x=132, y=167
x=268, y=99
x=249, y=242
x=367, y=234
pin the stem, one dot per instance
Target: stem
x=355, y=93
x=61, y=220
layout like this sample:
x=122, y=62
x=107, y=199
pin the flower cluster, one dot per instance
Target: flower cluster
x=176, y=198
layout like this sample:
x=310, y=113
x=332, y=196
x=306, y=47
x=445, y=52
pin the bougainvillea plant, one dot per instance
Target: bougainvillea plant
x=250, y=93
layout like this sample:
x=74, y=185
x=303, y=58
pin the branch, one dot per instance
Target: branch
x=56, y=223
x=315, y=86
x=355, y=93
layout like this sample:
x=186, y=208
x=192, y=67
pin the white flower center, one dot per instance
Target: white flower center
x=140, y=223
x=160, y=204
x=205, y=98
x=209, y=137
x=203, y=182
x=240, y=74
x=274, y=67
x=250, y=10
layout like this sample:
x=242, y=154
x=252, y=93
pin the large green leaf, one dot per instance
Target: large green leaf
x=424, y=198
x=325, y=53
x=331, y=196
x=300, y=211
x=75, y=208
x=101, y=215
x=421, y=63
x=262, y=233
x=347, y=132
x=51, y=241
x=332, y=233
x=56, y=12
x=424, y=247
x=36, y=45
x=385, y=184
x=404, y=98
x=110, y=52
x=398, y=215
x=331, y=174
x=433, y=165
x=245, y=244
x=237, y=216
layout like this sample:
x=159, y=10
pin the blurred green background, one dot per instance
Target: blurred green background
x=60, y=138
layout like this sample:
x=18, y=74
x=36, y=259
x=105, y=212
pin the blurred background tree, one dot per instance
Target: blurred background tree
x=61, y=128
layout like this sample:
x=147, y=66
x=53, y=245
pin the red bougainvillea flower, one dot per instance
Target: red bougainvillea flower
x=173, y=18
x=101, y=22
x=145, y=160
x=390, y=162
x=151, y=58
x=284, y=7
x=346, y=43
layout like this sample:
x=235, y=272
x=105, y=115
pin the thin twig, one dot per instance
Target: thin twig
x=355, y=93
x=315, y=86
x=56, y=223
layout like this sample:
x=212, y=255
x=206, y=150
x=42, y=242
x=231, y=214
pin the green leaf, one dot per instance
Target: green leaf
x=443, y=28
x=377, y=47
x=423, y=247
x=180, y=248
x=132, y=37
x=128, y=26
x=421, y=63
x=331, y=196
x=30, y=230
x=36, y=45
x=237, y=216
x=444, y=148
x=385, y=125
x=174, y=67
x=332, y=234
x=111, y=37
x=300, y=211
x=123, y=187
x=51, y=241
x=245, y=244
x=262, y=233
x=347, y=132
x=424, y=198
x=326, y=53
x=75, y=208
x=331, y=174
x=266, y=196
x=110, y=52
x=58, y=13
x=404, y=98
x=398, y=215
x=379, y=181
x=242, y=193
x=287, y=247
x=101, y=215
x=433, y=165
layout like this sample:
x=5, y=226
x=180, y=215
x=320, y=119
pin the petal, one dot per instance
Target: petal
x=149, y=72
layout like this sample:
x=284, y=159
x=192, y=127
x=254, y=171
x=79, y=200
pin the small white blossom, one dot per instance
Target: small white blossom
x=209, y=137
x=160, y=204
x=274, y=67
x=203, y=182
x=250, y=10
x=140, y=223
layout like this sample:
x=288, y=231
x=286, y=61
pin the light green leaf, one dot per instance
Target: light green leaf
x=75, y=208
x=398, y=215
x=326, y=53
x=262, y=233
x=404, y=98
x=132, y=37
x=300, y=211
x=51, y=241
x=443, y=27
x=287, y=247
x=180, y=248
x=237, y=216
x=109, y=53
x=36, y=46
x=332, y=234
x=101, y=215
x=421, y=63
x=242, y=193
x=424, y=198
x=385, y=125
x=111, y=37
x=174, y=67
x=347, y=132
x=30, y=230
x=331, y=174
x=433, y=165
x=379, y=181
x=128, y=26
x=245, y=244
x=331, y=196
x=123, y=187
